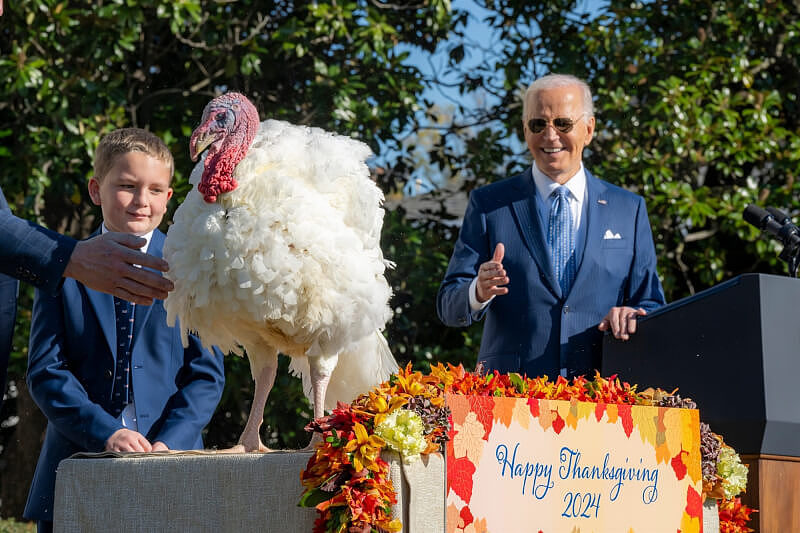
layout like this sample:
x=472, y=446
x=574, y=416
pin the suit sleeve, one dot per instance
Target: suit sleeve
x=644, y=288
x=200, y=385
x=31, y=253
x=471, y=249
x=55, y=389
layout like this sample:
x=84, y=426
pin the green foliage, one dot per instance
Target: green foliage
x=12, y=526
x=71, y=71
x=420, y=251
x=697, y=110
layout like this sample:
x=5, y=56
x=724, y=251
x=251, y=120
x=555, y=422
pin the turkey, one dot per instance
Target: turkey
x=276, y=249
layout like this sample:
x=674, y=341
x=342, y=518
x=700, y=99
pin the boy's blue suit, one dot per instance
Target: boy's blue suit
x=71, y=369
x=534, y=328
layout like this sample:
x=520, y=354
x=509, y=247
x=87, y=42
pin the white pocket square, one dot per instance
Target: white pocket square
x=610, y=235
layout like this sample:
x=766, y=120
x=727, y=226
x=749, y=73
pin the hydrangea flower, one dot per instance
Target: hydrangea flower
x=403, y=432
x=732, y=471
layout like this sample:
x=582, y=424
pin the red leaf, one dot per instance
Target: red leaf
x=466, y=516
x=460, y=476
x=533, y=404
x=694, y=503
x=624, y=411
x=678, y=466
x=558, y=424
x=483, y=407
x=599, y=409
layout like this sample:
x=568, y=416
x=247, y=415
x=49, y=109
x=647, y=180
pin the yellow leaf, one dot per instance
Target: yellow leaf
x=563, y=407
x=690, y=524
x=612, y=413
x=586, y=410
x=690, y=428
x=522, y=413
x=674, y=426
x=644, y=419
x=693, y=461
x=662, y=454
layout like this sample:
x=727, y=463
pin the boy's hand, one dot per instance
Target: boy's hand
x=106, y=262
x=159, y=446
x=125, y=440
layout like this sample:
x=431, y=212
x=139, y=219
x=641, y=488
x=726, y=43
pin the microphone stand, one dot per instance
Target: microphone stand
x=791, y=247
x=791, y=254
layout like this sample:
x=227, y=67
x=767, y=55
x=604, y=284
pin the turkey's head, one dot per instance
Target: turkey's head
x=227, y=129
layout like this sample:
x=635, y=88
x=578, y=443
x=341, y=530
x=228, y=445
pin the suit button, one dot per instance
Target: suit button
x=566, y=309
x=108, y=374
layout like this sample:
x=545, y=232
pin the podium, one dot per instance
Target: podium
x=735, y=350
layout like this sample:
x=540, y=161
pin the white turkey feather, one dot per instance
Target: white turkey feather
x=289, y=259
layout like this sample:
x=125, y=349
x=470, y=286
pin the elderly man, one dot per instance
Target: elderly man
x=551, y=257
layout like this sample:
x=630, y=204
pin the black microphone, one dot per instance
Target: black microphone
x=780, y=217
x=765, y=220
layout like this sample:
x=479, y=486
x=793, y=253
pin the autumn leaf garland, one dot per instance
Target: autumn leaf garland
x=348, y=482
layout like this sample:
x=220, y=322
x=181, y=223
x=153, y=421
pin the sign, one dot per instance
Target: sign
x=554, y=466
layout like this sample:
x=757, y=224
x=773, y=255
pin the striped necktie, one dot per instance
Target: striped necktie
x=561, y=239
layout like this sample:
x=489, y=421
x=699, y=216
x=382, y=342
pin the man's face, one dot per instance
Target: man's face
x=558, y=154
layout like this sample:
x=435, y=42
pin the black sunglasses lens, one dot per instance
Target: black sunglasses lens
x=537, y=125
x=564, y=125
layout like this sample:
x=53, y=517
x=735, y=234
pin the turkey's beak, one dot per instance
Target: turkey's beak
x=199, y=143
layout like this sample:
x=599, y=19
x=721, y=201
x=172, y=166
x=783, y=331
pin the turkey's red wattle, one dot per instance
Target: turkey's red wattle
x=218, y=176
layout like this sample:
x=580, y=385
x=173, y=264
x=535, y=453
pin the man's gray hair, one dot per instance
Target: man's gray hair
x=553, y=81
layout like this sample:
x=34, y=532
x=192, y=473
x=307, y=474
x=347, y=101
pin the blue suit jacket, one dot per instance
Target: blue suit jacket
x=71, y=367
x=31, y=253
x=535, y=329
x=8, y=306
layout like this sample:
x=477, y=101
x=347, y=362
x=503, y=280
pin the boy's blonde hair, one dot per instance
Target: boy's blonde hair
x=126, y=140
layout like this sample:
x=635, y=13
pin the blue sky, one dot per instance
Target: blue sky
x=479, y=45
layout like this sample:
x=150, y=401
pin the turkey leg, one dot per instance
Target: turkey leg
x=250, y=441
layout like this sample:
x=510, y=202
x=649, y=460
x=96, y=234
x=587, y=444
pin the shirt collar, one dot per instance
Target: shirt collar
x=545, y=186
x=146, y=237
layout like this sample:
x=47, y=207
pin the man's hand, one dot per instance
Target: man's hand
x=621, y=321
x=491, y=276
x=126, y=440
x=105, y=263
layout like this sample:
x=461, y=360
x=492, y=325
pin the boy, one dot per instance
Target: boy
x=108, y=376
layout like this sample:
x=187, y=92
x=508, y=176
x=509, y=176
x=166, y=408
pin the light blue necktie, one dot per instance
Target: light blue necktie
x=122, y=394
x=561, y=239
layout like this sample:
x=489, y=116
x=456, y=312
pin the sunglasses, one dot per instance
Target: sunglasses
x=562, y=124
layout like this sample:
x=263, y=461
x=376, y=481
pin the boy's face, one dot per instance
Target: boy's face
x=134, y=193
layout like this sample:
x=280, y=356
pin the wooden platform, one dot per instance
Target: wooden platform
x=773, y=487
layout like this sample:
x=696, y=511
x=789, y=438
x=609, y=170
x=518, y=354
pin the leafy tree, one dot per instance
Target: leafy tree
x=71, y=71
x=697, y=110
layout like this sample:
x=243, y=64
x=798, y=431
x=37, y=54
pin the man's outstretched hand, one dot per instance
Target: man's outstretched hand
x=106, y=262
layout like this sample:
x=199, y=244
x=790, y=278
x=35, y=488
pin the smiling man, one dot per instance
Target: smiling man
x=551, y=257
